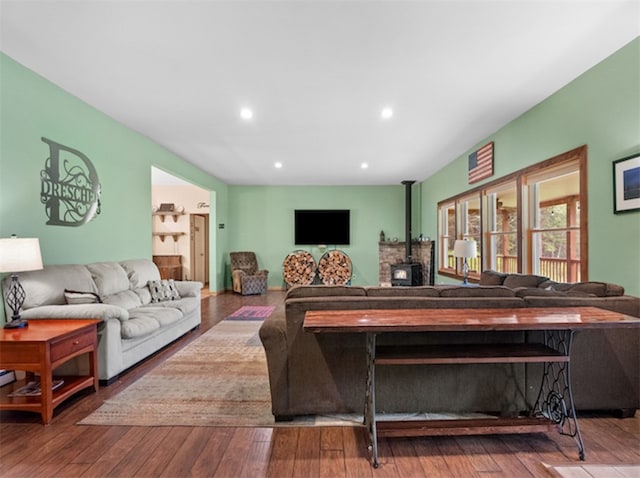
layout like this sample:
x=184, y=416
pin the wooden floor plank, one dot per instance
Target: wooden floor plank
x=431, y=460
x=387, y=465
x=405, y=458
x=134, y=459
x=473, y=447
x=307, y=462
x=284, y=444
x=235, y=455
x=534, y=451
x=207, y=462
x=331, y=439
x=506, y=460
x=186, y=453
x=162, y=454
x=257, y=459
x=64, y=445
x=356, y=457
x=332, y=463
x=454, y=456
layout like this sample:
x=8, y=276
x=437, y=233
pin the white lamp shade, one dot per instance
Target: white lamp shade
x=19, y=254
x=466, y=249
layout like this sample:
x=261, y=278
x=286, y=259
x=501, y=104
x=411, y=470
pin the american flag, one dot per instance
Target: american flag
x=481, y=163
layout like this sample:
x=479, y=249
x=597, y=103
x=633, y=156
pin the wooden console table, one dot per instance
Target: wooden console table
x=38, y=349
x=554, y=405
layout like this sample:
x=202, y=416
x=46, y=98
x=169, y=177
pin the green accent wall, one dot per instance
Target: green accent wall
x=601, y=109
x=31, y=107
x=262, y=221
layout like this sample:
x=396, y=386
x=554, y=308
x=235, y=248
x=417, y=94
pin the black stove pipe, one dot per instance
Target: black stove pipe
x=407, y=230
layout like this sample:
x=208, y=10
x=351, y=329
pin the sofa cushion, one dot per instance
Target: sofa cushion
x=79, y=297
x=523, y=280
x=163, y=315
x=109, y=277
x=138, y=326
x=481, y=291
x=144, y=294
x=540, y=292
x=490, y=277
x=127, y=299
x=46, y=286
x=140, y=272
x=162, y=290
x=301, y=291
x=422, y=291
x=185, y=305
x=614, y=290
x=77, y=311
x=597, y=289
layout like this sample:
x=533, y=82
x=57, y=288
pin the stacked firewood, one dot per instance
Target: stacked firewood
x=299, y=268
x=334, y=268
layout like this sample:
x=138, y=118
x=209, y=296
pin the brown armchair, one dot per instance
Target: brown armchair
x=246, y=277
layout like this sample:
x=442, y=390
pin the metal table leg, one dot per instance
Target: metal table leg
x=555, y=398
x=370, y=397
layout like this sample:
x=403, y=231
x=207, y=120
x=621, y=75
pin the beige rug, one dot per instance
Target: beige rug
x=218, y=380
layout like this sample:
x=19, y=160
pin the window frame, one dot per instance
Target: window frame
x=576, y=158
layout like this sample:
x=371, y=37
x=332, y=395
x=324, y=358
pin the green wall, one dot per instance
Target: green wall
x=601, y=109
x=262, y=221
x=31, y=108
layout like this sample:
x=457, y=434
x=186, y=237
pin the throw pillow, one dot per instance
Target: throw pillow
x=513, y=281
x=162, y=290
x=79, y=297
x=489, y=277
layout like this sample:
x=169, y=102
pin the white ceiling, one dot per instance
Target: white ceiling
x=316, y=74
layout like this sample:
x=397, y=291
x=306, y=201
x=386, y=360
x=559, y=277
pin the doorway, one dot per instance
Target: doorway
x=187, y=235
x=199, y=233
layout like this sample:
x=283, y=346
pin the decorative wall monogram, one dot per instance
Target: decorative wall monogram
x=70, y=186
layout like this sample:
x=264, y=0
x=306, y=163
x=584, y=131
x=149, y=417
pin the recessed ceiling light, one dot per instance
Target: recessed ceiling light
x=386, y=113
x=364, y=165
x=278, y=165
x=246, y=113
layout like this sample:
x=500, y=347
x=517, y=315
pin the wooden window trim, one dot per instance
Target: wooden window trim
x=578, y=155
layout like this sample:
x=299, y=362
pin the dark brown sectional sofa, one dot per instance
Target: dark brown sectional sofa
x=325, y=373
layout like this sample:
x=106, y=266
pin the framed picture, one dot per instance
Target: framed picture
x=626, y=184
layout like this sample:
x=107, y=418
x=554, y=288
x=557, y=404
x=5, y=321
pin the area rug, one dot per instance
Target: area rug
x=251, y=312
x=218, y=380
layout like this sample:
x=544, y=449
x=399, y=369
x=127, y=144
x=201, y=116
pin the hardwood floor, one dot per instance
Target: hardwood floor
x=64, y=449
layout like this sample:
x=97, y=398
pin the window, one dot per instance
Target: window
x=554, y=226
x=531, y=221
x=501, y=204
x=471, y=227
x=447, y=236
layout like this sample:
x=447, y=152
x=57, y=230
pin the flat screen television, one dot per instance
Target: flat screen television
x=322, y=226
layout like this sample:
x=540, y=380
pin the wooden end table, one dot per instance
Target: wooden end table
x=41, y=347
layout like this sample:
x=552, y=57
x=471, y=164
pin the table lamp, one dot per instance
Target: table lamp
x=465, y=249
x=18, y=255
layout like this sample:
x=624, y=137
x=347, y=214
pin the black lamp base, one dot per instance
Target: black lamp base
x=16, y=324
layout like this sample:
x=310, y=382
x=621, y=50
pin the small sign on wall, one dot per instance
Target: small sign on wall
x=70, y=188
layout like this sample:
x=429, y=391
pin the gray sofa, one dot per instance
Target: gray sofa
x=324, y=373
x=140, y=313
